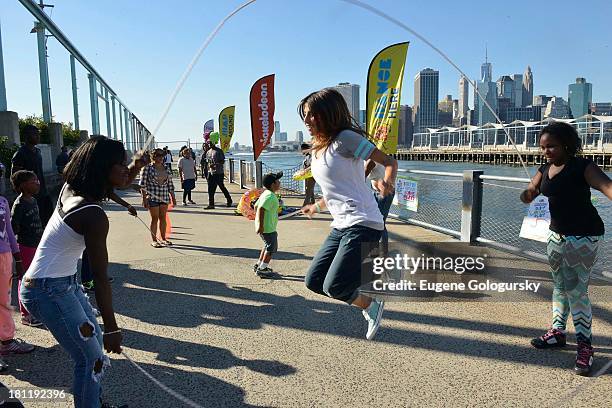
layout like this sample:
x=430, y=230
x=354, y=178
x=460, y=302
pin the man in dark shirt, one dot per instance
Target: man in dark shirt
x=216, y=158
x=28, y=157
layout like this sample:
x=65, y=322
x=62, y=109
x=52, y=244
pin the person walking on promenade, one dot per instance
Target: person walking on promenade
x=216, y=159
x=26, y=226
x=338, y=154
x=266, y=220
x=28, y=157
x=576, y=230
x=157, y=192
x=168, y=160
x=204, y=161
x=309, y=183
x=188, y=174
x=50, y=291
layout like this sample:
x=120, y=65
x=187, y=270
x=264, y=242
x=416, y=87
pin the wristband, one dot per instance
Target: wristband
x=318, y=207
x=112, y=332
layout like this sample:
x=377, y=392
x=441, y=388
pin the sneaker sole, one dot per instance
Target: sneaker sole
x=370, y=334
x=32, y=324
x=547, y=346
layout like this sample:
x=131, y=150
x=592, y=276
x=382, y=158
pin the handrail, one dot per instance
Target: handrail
x=37, y=12
x=504, y=178
x=435, y=173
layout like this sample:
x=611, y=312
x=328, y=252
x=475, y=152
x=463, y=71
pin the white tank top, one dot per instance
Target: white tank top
x=60, y=248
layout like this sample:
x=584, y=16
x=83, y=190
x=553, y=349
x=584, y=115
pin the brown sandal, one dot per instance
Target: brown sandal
x=156, y=245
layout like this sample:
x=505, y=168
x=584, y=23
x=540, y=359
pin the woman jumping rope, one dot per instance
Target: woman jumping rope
x=576, y=230
x=339, y=152
x=50, y=291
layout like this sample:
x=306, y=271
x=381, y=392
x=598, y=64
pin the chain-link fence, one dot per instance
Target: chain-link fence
x=289, y=186
x=439, y=201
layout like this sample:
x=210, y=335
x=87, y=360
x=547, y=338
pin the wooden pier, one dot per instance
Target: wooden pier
x=504, y=157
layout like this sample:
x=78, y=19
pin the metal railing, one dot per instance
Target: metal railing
x=471, y=206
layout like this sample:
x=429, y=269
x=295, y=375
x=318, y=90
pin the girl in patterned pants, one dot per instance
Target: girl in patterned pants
x=576, y=230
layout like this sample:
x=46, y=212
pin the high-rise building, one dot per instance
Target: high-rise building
x=464, y=89
x=406, y=130
x=350, y=93
x=362, y=118
x=579, y=97
x=456, y=109
x=282, y=136
x=276, y=130
x=601, y=108
x=527, y=87
x=525, y=113
x=488, y=91
x=505, y=88
x=299, y=136
x=518, y=90
x=557, y=108
x=502, y=108
x=426, y=85
x=541, y=100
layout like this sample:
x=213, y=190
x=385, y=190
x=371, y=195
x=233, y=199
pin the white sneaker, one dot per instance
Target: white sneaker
x=374, y=315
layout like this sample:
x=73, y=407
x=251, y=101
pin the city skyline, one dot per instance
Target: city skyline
x=143, y=63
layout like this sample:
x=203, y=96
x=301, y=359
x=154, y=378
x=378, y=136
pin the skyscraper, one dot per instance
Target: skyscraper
x=518, y=90
x=557, y=108
x=527, y=87
x=350, y=93
x=404, y=137
x=299, y=136
x=579, y=97
x=426, y=84
x=464, y=90
x=488, y=91
x=505, y=88
x=445, y=111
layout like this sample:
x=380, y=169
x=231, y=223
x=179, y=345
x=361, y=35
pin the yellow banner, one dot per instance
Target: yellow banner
x=226, y=127
x=383, y=96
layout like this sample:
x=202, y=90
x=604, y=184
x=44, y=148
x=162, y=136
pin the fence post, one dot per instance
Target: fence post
x=471, y=206
x=258, y=174
x=232, y=179
x=241, y=174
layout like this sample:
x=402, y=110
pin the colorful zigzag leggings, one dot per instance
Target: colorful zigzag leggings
x=571, y=259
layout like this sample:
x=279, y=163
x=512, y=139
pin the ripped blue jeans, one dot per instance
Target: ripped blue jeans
x=63, y=307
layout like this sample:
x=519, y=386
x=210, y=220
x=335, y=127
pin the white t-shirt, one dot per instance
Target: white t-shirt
x=187, y=165
x=339, y=171
x=168, y=158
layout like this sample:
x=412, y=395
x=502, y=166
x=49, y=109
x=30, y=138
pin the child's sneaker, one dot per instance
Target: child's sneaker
x=88, y=286
x=584, y=358
x=16, y=346
x=266, y=272
x=552, y=338
x=30, y=321
x=255, y=267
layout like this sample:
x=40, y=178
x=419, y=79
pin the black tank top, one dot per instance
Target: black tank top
x=569, y=198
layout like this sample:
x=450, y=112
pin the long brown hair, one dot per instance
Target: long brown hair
x=332, y=116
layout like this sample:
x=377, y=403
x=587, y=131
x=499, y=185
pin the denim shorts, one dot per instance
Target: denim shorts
x=270, y=240
x=153, y=203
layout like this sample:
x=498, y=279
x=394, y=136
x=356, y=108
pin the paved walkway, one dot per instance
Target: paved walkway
x=198, y=320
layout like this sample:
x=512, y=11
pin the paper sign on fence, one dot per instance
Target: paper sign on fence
x=536, y=223
x=406, y=193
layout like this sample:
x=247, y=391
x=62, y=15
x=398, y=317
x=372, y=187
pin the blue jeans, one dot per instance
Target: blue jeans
x=337, y=270
x=63, y=307
x=384, y=205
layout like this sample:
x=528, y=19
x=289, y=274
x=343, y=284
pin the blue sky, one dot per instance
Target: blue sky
x=142, y=47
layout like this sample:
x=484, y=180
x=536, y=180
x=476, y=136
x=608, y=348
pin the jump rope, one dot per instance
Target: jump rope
x=186, y=75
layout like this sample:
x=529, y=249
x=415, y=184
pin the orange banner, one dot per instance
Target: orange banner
x=262, y=113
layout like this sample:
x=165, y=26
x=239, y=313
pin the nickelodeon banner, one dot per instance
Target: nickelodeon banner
x=209, y=126
x=226, y=127
x=262, y=113
x=383, y=96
